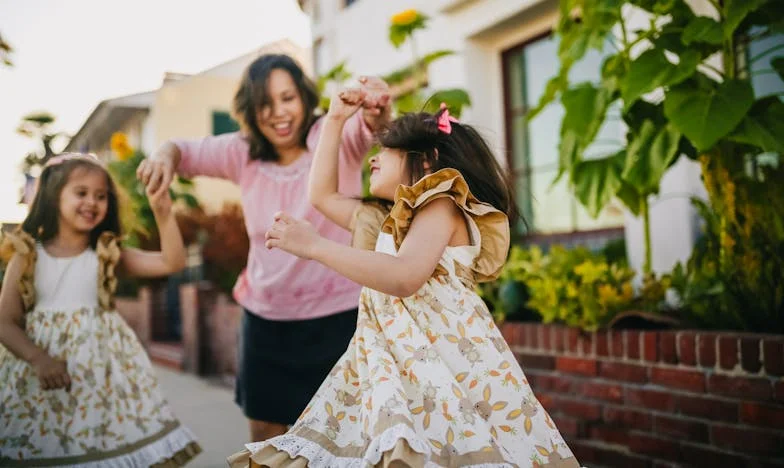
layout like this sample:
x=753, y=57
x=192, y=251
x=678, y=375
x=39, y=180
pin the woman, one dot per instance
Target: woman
x=299, y=316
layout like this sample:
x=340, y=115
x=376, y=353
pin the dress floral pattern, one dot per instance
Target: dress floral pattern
x=427, y=380
x=114, y=414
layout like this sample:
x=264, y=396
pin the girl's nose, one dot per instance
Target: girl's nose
x=373, y=159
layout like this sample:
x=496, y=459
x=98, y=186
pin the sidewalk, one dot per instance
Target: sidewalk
x=209, y=411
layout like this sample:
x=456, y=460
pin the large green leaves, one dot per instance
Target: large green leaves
x=703, y=29
x=586, y=107
x=596, y=181
x=735, y=12
x=652, y=70
x=648, y=156
x=455, y=99
x=763, y=127
x=706, y=113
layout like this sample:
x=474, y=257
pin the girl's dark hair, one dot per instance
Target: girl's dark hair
x=252, y=94
x=42, y=221
x=463, y=149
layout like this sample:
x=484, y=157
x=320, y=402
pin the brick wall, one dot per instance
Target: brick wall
x=659, y=399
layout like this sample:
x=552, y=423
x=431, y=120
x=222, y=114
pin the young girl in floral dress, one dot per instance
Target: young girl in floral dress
x=427, y=380
x=76, y=387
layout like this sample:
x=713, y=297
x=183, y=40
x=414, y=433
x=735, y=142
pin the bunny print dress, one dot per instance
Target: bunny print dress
x=427, y=380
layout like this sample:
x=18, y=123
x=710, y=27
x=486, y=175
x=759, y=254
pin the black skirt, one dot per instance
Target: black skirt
x=283, y=363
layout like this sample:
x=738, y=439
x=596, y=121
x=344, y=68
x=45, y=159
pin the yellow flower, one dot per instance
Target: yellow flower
x=627, y=292
x=571, y=290
x=590, y=271
x=120, y=146
x=405, y=17
x=607, y=295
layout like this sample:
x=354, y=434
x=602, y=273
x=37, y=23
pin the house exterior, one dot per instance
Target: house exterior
x=505, y=55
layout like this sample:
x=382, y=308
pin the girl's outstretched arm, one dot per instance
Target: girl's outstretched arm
x=398, y=275
x=171, y=257
x=52, y=372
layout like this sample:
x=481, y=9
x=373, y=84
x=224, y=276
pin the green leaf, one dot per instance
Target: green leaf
x=455, y=99
x=652, y=70
x=703, y=29
x=397, y=36
x=596, y=181
x=557, y=84
x=585, y=106
x=706, y=114
x=613, y=71
x=568, y=149
x=763, y=127
x=778, y=64
x=630, y=197
x=649, y=155
x=735, y=11
x=641, y=111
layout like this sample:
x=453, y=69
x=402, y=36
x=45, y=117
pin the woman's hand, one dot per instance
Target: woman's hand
x=345, y=103
x=157, y=171
x=295, y=236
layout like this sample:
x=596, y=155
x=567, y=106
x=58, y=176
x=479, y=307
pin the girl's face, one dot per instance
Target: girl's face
x=387, y=171
x=84, y=200
x=281, y=118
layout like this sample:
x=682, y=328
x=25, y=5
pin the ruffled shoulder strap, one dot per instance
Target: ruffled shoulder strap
x=366, y=224
x=23, y=244
x=492, y=224
x=108, y=251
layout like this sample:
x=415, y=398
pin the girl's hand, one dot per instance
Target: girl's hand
x=160, y=202
x=51, y=372
x=377, y=105
x=346, y=103
x=297, y=237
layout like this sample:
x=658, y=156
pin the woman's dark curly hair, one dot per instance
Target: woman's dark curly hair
x=252, y=94
x=463, y=149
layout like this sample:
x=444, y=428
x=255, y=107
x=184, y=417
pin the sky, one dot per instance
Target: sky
x=69, y=56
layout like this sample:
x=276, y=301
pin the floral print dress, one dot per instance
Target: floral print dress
x=114, y=414
x=427, y=380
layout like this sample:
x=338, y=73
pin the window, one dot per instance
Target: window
x=550, y=209
x=223, y=123
x=764, y=79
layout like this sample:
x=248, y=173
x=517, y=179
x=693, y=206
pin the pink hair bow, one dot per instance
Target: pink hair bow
x=59, y=159
x=445, y=120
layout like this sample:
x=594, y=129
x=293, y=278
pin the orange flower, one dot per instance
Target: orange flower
x=120, y=146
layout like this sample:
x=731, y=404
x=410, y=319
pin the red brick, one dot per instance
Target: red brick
x=681, y=429
x=650, y=344
x=694, y=455
x=547, y=401
x=773, y=350
x=768, y=416
x=650, y=399
x=576, y=366
x=750, y=355
x=602, y=348
x=644, y=444
x=572, y=336
x=632, y=419
x=624, y=372
x=740, y=387
x=560, y=338
x=568, y=427
x=550, y=383
x=601, y=391
x=586, y=344
x=708, y=408
x=616, y=343
x=747, y=440
x=687, y=352
x=533, y=335
x=728, y=352
x=581, y=409
x=633, y=345
x=547, y=334
x=511, y=331
x=608, y=434
x=667, y=350
x=693, y=381
x=589, y=454
x=706, y=349
x=535, y=361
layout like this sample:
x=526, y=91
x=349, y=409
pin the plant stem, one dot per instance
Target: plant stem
x=646, y=225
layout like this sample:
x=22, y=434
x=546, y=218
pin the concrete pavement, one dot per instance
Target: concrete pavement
x=209, y=411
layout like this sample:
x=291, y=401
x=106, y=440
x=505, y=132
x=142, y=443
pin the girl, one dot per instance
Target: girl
x=299, y=315
x=76, y=387
x=427, y=380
